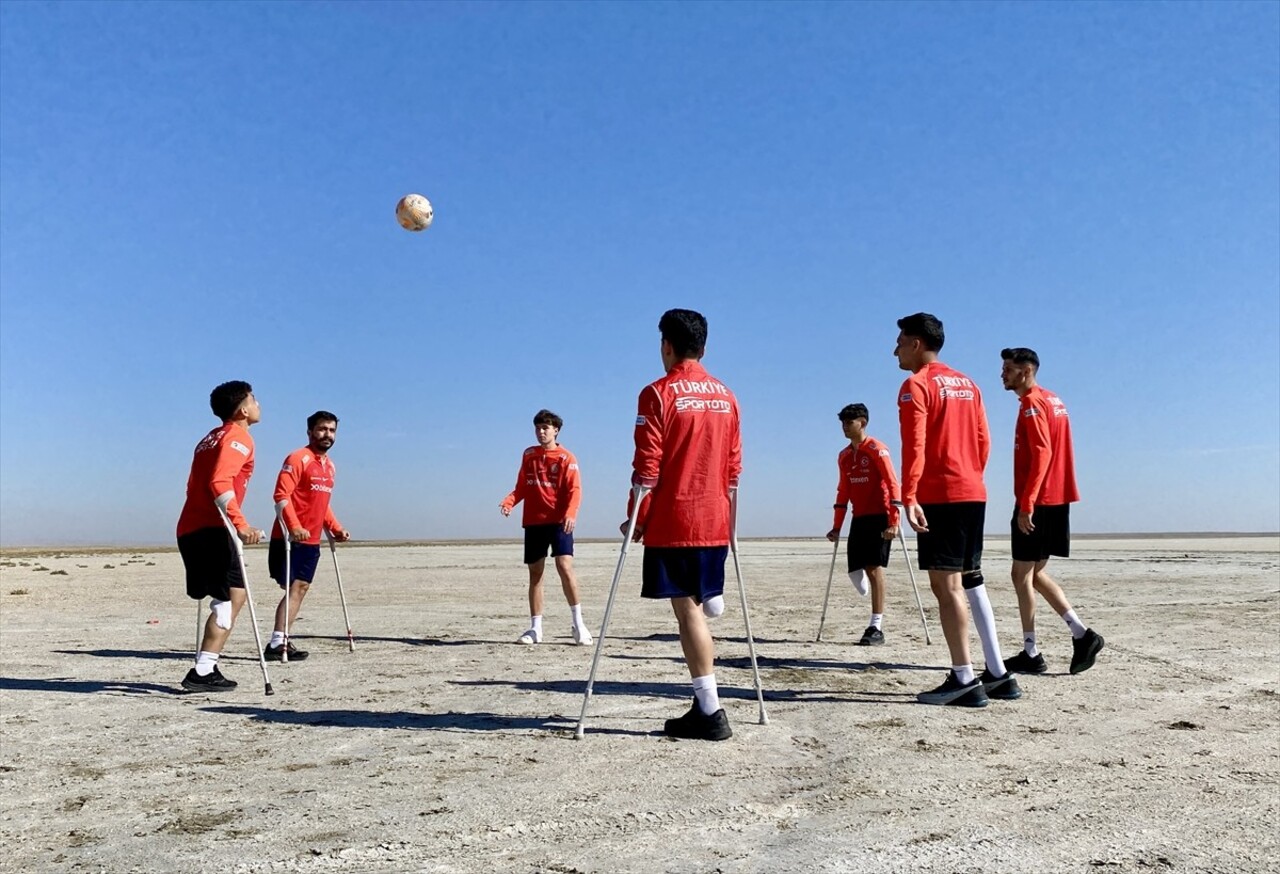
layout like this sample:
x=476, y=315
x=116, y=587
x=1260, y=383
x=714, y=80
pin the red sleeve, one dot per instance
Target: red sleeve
x=885, y=465
x=646, y=465
x=286, y=483
x=735, y=448
x=1034, y=421
x=331, y=522
x=912, y=419
x=572, y=482
x=843, y=495
x=517, y=494
x=225, y=469
x=984, y=434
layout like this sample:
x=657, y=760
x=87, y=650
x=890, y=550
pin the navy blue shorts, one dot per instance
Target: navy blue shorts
x=1051, y=537
x=210, y=560
x=867, y=546
x=303, y=558
x=695, y=572
x=539, y=538
x=954, y=540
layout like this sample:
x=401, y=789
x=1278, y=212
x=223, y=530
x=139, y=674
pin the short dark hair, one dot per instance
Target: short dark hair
x=1021, y=355
x=924, y=327
x=686, y=331
x=546, y=417
x=320, y=416
x=854, y=411
x=227, y=398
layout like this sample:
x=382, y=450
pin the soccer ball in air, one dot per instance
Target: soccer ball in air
x=414, y=212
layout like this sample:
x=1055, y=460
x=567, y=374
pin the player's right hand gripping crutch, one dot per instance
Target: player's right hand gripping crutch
x=902, y=538
x=835, y=551
x=288, y=576
x=333, y=551
x=742, y=592
x=637, y=496
x=248, y=596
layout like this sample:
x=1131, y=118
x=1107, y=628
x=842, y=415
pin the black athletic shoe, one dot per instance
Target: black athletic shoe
x=872, y=637
x=953, y=693
x=213, y=682
x=1025, y=664
x=1084, y=650
x=696, y=725
x=1004, y=688
x=276, y=653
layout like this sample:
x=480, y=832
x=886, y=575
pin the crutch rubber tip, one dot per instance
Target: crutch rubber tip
x=579, y=734
x=269, y=690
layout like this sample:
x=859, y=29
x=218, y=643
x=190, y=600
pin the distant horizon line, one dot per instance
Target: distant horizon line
x=155, y=547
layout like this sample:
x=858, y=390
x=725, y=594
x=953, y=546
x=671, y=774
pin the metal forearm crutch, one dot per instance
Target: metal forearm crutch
x=248, y=596
x=902, y=538
x=835, y=551
x=288, y=576
x=742, y=592
x=333, y=551
x=637, y=495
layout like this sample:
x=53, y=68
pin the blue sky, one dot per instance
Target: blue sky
x=191, y=193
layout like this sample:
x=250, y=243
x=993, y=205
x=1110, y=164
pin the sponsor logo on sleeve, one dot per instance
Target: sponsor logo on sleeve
x=906, y=398
x=1030, y=412
x=573, y=467
x=239, y=447
x=286, y=468
x=639, y=421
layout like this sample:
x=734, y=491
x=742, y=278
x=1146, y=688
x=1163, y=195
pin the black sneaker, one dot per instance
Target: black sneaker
x=696, y=725
x=1004, y=688
x=872, y=637
x=213, y=682
x=1084, y=650
x=1026, y=664
x=275, y=653
x=955, y=694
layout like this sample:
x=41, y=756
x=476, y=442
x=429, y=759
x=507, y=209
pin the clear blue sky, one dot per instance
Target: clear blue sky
x=193, y=192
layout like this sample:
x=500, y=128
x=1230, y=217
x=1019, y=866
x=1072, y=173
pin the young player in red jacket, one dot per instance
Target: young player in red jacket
x=1044, y=487
x=551, y=488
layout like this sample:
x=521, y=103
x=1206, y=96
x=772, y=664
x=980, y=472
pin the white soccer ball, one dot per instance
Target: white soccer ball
x=414, y=212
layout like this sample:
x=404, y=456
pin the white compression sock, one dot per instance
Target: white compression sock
x=985, y=621
x=713, y=607
x=205, y=662
x=277, y=638
x=859, y=580
x=704, y=690
x=1077, y=627
x=576, y=612
x=535, y=622
x=877, y=620
x=964, y=673
x=1029, y=643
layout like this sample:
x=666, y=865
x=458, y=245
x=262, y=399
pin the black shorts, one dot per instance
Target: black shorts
x=954, y=539
x=303, y=559
x=1051, y=537
x=695, y=572
x=213, y=569
x=538, y=538
x=867, y=546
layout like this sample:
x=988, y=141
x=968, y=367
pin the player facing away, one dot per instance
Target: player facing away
x=550, y=486
x=304, y=487
x=688, y=451
x=220, y=471
x=945, y=447
x=866, y=480
x=1044, y=486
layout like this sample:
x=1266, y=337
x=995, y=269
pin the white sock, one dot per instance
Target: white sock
x=877, y=620
x=1077, y=627
x=535, y=622
x=1029, y=643
x=576, y=611
x=205, y=662
x=704, y=690
x=277, y=638
x=964, y=673
x=985, y=621
x=713, y=607
x=859, y=580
